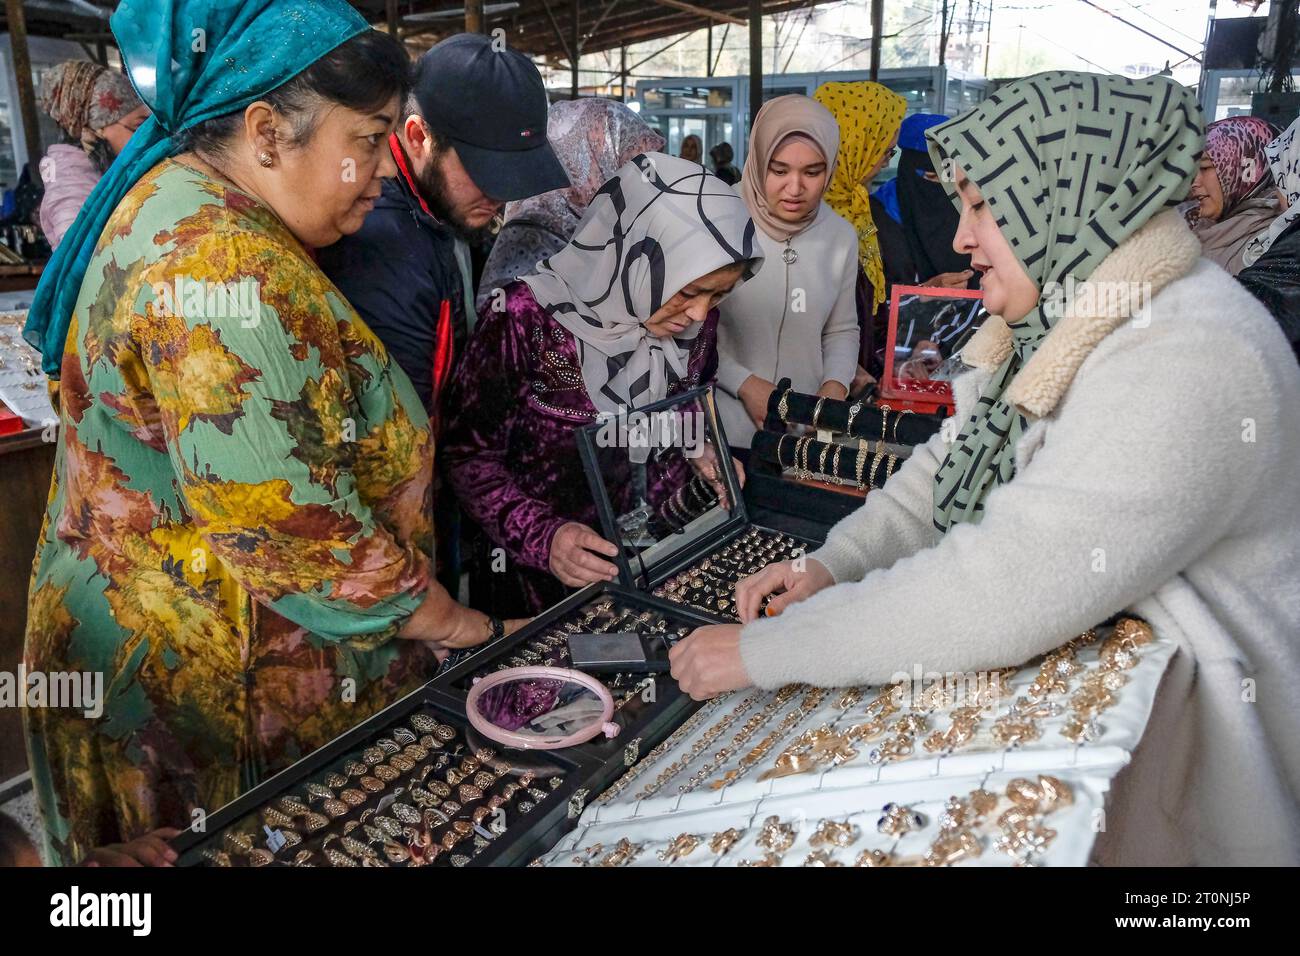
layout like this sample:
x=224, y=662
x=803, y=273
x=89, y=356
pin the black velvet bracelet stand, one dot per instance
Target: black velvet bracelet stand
x=780, y=451
x=903, y=428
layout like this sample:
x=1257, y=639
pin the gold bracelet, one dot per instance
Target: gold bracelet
x=862, y=461
x=779, y=462
x=875, y=463
x=889, y=465
x=906, y=411
x=853, y=412
x=783, y=406
x=835, y=465
x=817, y=409
x=806, y=472
x=821, y=460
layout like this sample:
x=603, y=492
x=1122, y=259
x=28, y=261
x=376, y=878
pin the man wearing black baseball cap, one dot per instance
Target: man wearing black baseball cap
x=473, y=138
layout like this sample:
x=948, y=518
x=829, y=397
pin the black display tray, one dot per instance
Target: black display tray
x=585, y=770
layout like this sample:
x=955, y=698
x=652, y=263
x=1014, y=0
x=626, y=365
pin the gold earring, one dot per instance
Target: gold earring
x=266, y=159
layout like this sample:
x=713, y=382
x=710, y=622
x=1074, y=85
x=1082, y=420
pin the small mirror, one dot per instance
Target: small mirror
x=540, y=708
x=660, y=477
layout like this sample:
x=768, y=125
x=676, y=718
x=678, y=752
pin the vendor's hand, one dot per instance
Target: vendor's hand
x=789, y=581
x=574, y=556
x=949, y=280
x=707, y=663
x=754, y=394
x=148, y=850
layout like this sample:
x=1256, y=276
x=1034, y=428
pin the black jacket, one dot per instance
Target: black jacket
x=1274, y=279
x=396, y=272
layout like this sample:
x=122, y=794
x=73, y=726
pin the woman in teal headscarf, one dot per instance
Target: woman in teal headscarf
x=238, y=537
x=1119, y=445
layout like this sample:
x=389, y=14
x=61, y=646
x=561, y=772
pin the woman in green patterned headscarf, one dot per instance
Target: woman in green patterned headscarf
x=1125, y=441
x=1070, y=165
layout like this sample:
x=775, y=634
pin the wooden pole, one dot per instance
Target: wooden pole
x=575, y=48
x=988, y=37
x=755, y=59
x=877, y=29
x=474, y=16
x=708, y=52
x=622, y=72
x=26, y=92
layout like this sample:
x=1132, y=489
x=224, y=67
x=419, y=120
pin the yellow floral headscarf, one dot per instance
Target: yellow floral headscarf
x=869, y=116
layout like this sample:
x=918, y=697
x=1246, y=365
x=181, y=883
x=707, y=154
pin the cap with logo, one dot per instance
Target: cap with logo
x=491, y=103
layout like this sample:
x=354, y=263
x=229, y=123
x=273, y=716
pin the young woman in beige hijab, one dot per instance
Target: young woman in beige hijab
x=798, y=317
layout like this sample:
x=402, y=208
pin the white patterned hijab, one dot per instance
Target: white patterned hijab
x=657, y=225
x=1284, y=160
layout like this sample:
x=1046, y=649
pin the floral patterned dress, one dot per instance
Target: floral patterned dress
x=238, y=525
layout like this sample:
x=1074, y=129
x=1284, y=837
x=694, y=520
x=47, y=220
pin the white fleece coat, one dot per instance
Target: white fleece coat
x=1161, y=474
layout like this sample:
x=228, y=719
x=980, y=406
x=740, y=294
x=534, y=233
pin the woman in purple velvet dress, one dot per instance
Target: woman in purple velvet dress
x=623, y=316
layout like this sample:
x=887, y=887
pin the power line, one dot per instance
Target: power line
x=1142, y=10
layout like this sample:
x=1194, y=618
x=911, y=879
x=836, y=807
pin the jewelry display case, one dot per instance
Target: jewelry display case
x=417, y=785
x=928, y=327
x=887, y=763
x=669, y=495
x=816, y=458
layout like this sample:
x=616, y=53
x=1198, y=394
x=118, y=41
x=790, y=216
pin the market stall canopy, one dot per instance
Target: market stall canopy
x=542, y=28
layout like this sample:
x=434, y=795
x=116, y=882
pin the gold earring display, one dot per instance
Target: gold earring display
x=897, y=819
x=775, y=836
x=681, y=846
x=834, y=833
x=821, y=858
x=720, y=843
